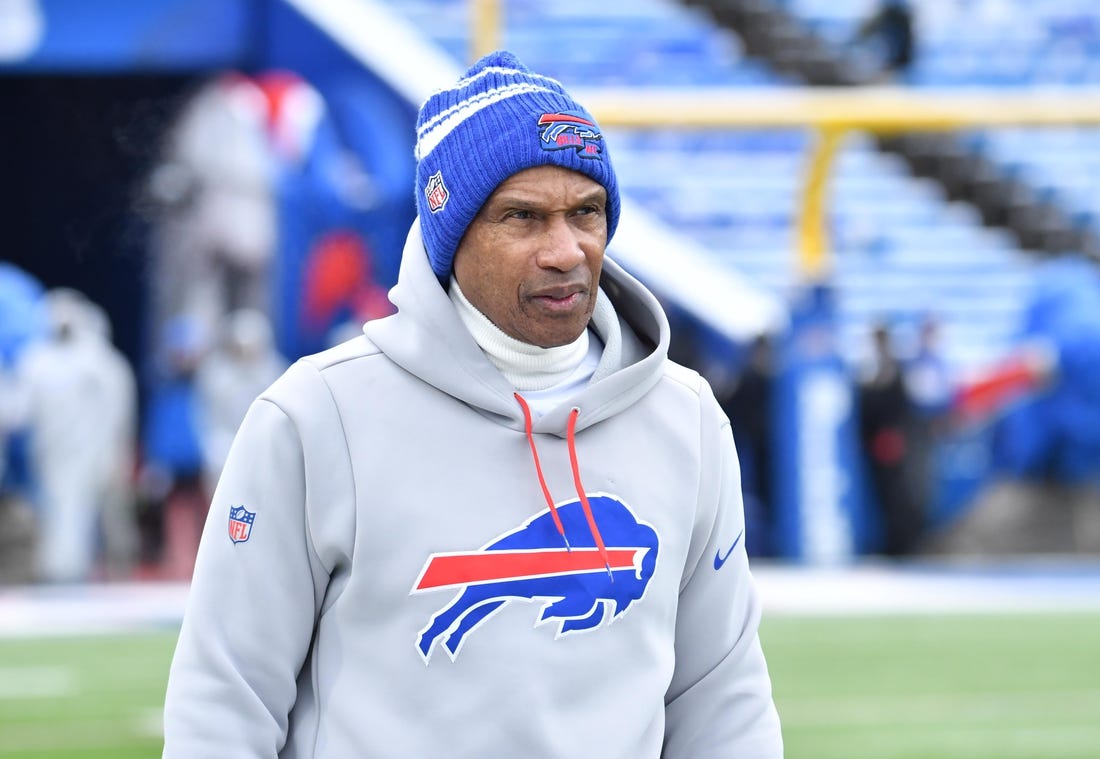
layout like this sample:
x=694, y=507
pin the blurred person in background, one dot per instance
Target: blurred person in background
x=748, y=404
x=214, y=210
x=119, y=529
x=78, y=398
x=390, y=507
x=886, y=39
x=240, y=366
x=171, y=481
x=931, y=388
x=16, y=517
x=22, y=322
x=885, y=412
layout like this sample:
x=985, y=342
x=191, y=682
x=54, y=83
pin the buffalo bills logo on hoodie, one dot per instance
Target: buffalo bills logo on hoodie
x=580, y=585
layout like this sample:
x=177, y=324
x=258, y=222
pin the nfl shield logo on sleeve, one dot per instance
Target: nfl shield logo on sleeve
x=240, y=523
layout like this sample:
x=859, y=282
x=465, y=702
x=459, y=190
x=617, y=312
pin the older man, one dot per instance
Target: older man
x=501, y=523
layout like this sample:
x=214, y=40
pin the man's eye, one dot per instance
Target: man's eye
x=517, y=214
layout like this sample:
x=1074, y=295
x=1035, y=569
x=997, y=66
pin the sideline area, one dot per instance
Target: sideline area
x=949, y=586
x=1054, y=585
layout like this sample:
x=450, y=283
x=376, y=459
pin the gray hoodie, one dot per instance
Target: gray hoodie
x=399, y=562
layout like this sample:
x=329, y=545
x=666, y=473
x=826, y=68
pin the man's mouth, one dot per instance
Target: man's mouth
x=564, y=302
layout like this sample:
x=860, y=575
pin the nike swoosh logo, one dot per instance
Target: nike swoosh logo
x=719, y=559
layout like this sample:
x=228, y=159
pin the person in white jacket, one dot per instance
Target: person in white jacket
x=242, y=365
x=78, y=400
x=499, y=523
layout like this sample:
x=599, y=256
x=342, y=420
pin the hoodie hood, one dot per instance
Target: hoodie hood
x=427, y=338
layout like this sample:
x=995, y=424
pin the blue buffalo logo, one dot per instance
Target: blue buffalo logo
x=578, y=589
x=570, y=129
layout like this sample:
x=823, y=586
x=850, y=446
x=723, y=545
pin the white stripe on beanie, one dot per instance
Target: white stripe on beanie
x=443, y=114
x=436, y=129
x=502, y=71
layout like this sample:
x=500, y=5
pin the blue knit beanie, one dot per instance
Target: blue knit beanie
x=500, y=118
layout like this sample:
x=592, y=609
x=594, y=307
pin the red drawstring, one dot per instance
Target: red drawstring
x=571, y=440
x=538, y=469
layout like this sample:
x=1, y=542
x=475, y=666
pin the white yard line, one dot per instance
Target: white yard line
x=78, y=610
x=20, y=683
x=943, y=588
x=961, y=708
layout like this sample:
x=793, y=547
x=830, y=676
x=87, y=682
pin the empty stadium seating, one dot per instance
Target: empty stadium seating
x=1001, y=43
x=901, y=248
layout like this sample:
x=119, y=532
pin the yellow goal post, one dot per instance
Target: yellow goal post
x=830, y=111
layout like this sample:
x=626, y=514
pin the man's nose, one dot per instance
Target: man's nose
x=561, y=245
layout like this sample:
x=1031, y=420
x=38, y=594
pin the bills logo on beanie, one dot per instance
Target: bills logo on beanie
x=498, y=119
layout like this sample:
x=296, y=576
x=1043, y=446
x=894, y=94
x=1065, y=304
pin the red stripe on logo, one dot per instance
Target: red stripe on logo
x=443, y=570
x=554, y=118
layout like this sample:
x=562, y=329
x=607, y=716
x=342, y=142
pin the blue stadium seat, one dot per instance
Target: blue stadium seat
x=902, y=248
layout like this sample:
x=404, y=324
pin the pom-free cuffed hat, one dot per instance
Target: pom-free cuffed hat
x=498, y=119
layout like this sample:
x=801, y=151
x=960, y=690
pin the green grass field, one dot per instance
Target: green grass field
x=86, y=698
x=947, y=687
x=921, y=687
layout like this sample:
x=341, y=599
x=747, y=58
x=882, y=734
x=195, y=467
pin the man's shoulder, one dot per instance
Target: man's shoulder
x=350, y=350
x=693, y=387
x=318, y=372
x=684, y=376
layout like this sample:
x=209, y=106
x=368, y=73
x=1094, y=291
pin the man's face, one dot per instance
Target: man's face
x=531, y=258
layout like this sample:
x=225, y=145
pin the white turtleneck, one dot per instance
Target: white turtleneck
x=543, y=375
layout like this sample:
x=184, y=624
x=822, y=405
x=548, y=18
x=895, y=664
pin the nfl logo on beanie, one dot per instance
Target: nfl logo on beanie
x=498, y=119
